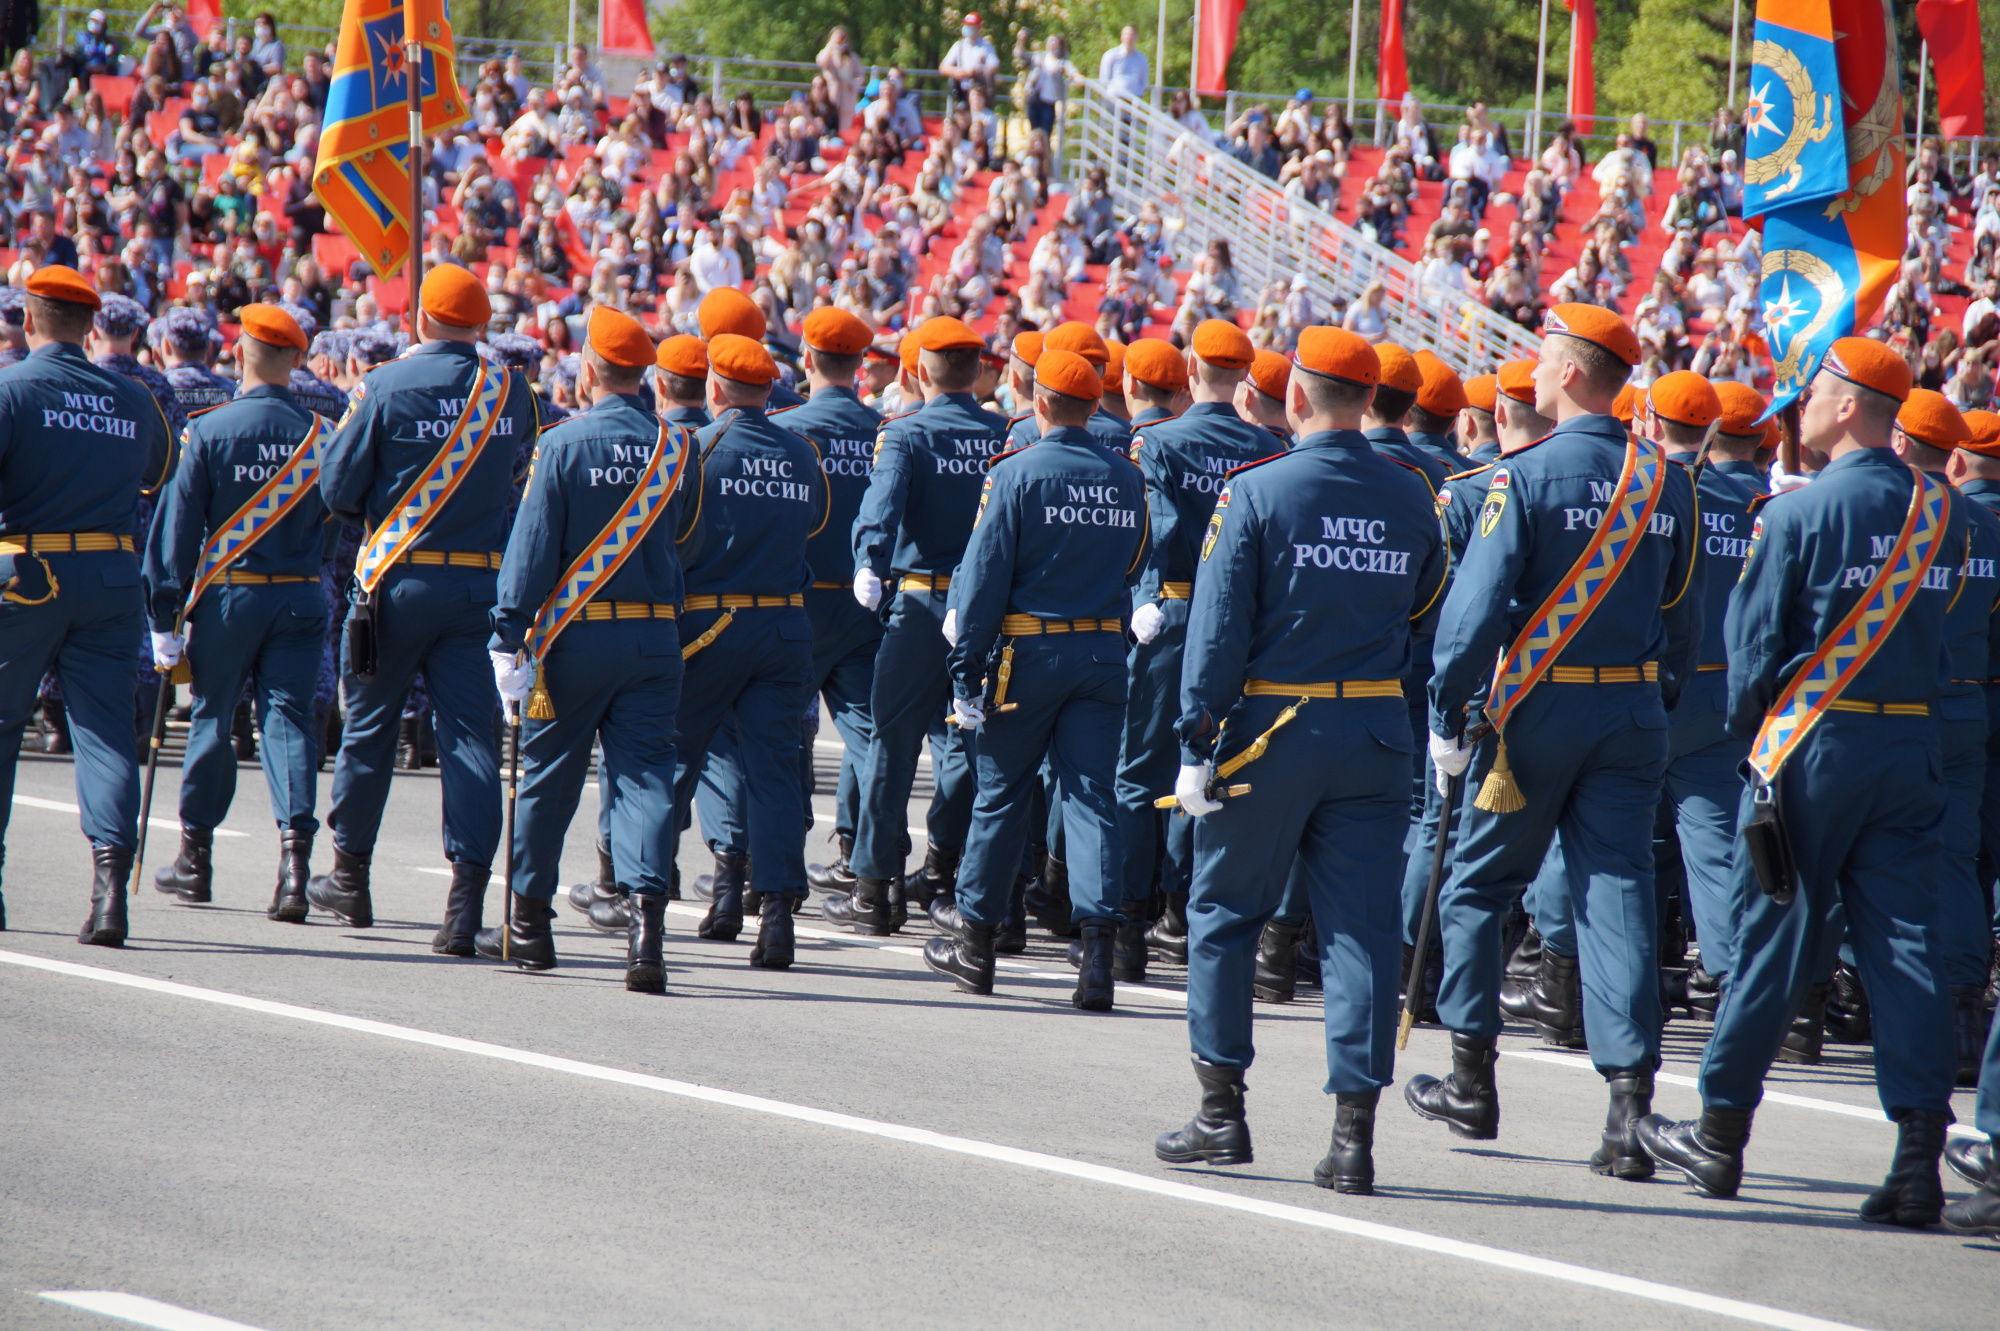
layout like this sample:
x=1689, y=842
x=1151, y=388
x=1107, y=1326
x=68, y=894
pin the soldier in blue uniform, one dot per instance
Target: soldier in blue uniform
x=13, y=336
x=613, y=672
x=1975, y=469
x=1585, y=751
x=1080, y=339
x=1432, y=423
x=1738, y=437
x=1038, y=668
x=914, y=522
x=1402, y=380
x=261, y=620
x=1260, y=398
x=1315, y=564
x=728, y=310
x=1971, y=1159
x=313, y=392
x=186, y=342
x=1861, y=799
x=78, y=443
x=1156, y=382
x=416, y=420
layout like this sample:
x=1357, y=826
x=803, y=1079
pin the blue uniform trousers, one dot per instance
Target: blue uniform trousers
x=1326, y=810
x=1964, y=935
x=845, y=641
x=1149, y=761
x=1704, y=784
x=85, y=635
x=757, y=676
x=1989, y=807
x=618, y=682
x=432, y=619
x=908, y=699
x=1589, y=760
x=1864, y=804
x=272, y=638
x=1068, y=693
x=1986, y=1109
x=721, y=794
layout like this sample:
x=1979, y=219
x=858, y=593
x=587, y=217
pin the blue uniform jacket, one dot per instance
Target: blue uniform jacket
x=1442, y=447
x=1484, y=455
x=843, y=431
x=1748, y=472
x=1458, y=501
x=153, y=382
x=1390, y=441
x=317, y=394
x=227, y=455
x=762, y=498
x=1315, y=566
x=1541, y=507
x=1986, y=495
x=930, y=465
x=1725, y=503
x=1813, y=552
x=197, y=388
x=1104, y=427
x=77, y=445
x=1185, y=461
x=403, y=412
x=1969, y=623
x=1061, y=531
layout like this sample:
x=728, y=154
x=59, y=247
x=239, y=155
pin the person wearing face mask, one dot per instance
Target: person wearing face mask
x=971, y=62
x=267, y=51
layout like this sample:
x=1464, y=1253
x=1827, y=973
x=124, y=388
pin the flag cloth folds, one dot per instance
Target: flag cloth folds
x=1219, y=21
x=1829, y=261
x=1582, y=64
x=363, y=176
x=621, y=26
x=1392, y=67
x=1952, y=29
x=203, y=14
x=1793, y=148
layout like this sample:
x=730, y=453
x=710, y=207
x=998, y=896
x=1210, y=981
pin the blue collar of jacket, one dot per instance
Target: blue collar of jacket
x=1387, y=434
x=1353, y=440
x=276, y=391
x=1608, y=428
x=62, y=350
x=619, y=402
x=463, y=350
x=1866, y=457
x=1979, y=487
x=1070, y=434
x=1151, y=416
x=1210, y=409
x=833, y=390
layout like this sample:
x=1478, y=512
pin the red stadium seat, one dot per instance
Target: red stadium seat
x=117, y=90
x=334, y=252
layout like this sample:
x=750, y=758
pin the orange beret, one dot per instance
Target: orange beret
x=1517, y=380
x=618, y=338
x=1114, y=366
x=835, y=332
x=1929, y=418
x=1685, y=398
x=1597, y=326
x=945, y=333
x=1442, y=393
x=1741, y=406
x=1871, y=364
x=1626, y=404
x=1984, y=430
x=1271, y=371
x=1066, y=372
x=906, y=352
x=1339, y=354
x=685, y=355
x=1399, y=368
x=727, y=310
x=452, y=295
x=268, y=323
x=1080, y=339
x=58, y=281
x=1028, y=346
x=741, y=358
x=1222, y=343
x=1480, y=391
x=1151, y=361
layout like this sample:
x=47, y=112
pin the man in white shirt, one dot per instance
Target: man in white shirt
x=1123, y=70
x=971, y=59
x=714, y=264
x=1474, y=161
x=1979, y=308
x=894, y=112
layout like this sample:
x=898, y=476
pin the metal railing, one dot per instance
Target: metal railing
x=1207, y=195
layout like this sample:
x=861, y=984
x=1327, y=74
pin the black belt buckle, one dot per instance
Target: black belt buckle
x=1770, y=850
x=363, y=636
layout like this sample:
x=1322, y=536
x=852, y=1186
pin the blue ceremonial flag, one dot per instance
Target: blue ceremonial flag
x=1792, y=141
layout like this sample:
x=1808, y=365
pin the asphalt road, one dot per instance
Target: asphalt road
x=316, y=1127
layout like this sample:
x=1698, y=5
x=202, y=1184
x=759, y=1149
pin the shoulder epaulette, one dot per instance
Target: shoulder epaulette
x=1004, y=454
x=1414, y=470
x=899, y=415
x=789, y=406
x=1462, y=475
x=203, y=411
x=1239, y=470
x=1750, y=509
x=1013, y=421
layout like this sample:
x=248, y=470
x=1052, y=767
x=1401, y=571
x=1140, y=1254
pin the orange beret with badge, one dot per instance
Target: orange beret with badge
x=1599, y=327
x=742, y=359
x=1339, y=354
x=268, y=323
x=836, y=332
x=1157, y=363
x=1068, y=373
x=618, y=338
x=1870, y=364
x=1399, y=368
x=452, y=295
x=58, y=281
x=1983, y=433
x=1223, y=344
x=1079, y=339
x=1271, y=371
x=727, y=310
x=685, y=355
x=1684, y=398
x=1930, y=418
x=1442, y=394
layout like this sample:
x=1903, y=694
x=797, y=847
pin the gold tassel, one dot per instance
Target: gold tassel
x=1499, y=793
x=182, y=673
x=1006, y=675
x=708, y=637
x=540, y=706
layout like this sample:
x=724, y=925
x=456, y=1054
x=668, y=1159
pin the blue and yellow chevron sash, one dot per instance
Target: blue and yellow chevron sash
x=605, y=555
x=426, y=499
x=264, y=510
x=1641, y=481
x=1855, y=640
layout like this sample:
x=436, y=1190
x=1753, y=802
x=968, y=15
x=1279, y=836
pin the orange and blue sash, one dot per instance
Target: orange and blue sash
x=264, y=511
x=426, y=499
x=1855, y=640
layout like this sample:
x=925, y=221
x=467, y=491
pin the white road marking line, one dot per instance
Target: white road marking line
x=1520, y=1263
x=146, y=1312
x=57, y=806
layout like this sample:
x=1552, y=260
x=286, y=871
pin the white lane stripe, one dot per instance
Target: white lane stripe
x=1521, y=1263
x=146, y=1312
x=57, y=806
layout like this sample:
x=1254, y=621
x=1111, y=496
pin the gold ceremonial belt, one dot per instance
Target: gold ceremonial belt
x=627, y=610
x=924, y=582
x=1177, y=591
x=66, y=543
x=830, y=586
x=1703, y=670
x=1027, y=626
x=1648, y=673
x=1880, y=708
x=488, y=559
x=732, y=601
x=1339, y=688
x=231, y=578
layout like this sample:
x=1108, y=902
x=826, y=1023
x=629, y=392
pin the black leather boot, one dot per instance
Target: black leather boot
x=1708, y=1150
x=1979, y=1213
x=1276, y=979
x=464, y=910
x=3, y=897
x=1704, y=992
x=1524, y=966
x=582, y=896
x=530, y=945
x=612, y=915
x=1094, y=974
x=865, y=909
x=191, y=876
x=1128, y=946
x=1011, y=938
x=1554, y=1003
x=645, y=969
x=773, y=949
x=1968, y=1024
x=1468, y=1101
x=1048, y=901
x=944, y=916
x=1913, y=1194
x=409, y=757
x=965, y=954
x=725, y=907
x=343, y=893
x=1970, y=1158
x=1219, y=1133
x=1620, y=1154
x=108, y=924
x=1848, y=1017
x=55, y=716
x=837, y=876
x=1807, y=1036
x=1308, y=955
x=1350, y=1159
x=899, y=903
x=1168, y=938
x=288, y=902
x=938, y=877
x=243, y=734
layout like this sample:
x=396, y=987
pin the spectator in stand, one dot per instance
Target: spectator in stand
x=1642, y=141
x=534, y=133
x=1048, y=72
x=1474, y=162
x=844, y=75
x=889, y=112
x=1123, y=69
x=1184, y=111
x=1254, y=147
x=1725, y=135
x=267, y=50
x=583, y=75
x=1413, y=135
x=971, y=61
x=96, y=51
x=1477, y=116
x=1561, y=161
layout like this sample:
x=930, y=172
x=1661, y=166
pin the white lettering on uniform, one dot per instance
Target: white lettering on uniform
x=1879, y=547
x=88, y=412
x=1977, y=568
x=754, y=488
x=848, y=457
x=1350, y=558
x=1600, y=491
x=1726, y=547
x=1081, y=515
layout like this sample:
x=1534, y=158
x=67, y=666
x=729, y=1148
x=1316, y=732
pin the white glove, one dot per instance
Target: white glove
x=513, y=674
x=867, y=588
x=951, y=626
x=1147, y=621
x=1450, y=757
x=969, y=713
x=1782, y=480
x=1191, y=789
x=167, y=649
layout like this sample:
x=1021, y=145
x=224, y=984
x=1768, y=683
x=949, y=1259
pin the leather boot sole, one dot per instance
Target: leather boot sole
x=104, y=938
x=1479, y=1132
x=1212, y=1155
x=1632, y=1168
x=941, y=955
x=358, y=915
x=292, y=911
x=1908, y=1214
x=646, y=979
x=716, y=930
x=1093, y=1000
x=1354, y=1185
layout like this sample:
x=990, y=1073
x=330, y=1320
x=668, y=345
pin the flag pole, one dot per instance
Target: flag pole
x=1160, y=59
x=1541, y=82
x=1353, y=58
x=1735, y=37
x=413, y=68
x=1923, y=70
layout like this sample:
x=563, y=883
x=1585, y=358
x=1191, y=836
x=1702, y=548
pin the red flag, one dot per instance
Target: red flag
x=1582, y=73
x=202, y=13
x=621, y=26
x=1952, y=29
x=1219, y=21
x=1392, y=69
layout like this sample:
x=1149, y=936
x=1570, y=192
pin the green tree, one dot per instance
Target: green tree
x=1675, y=65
